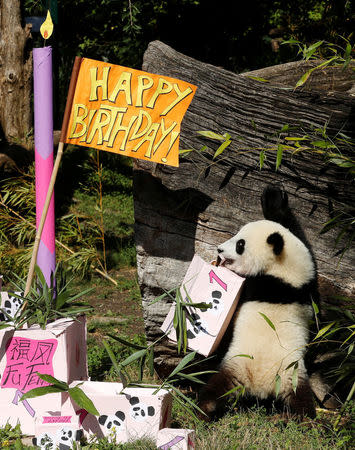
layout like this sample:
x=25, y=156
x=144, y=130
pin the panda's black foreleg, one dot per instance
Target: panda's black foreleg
x=301, y=403
x=211, y=400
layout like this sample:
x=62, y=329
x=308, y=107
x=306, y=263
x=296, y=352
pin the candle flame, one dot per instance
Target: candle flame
x=47, y=27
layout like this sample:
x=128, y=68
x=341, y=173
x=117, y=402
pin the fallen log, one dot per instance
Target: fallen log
x=193, y=208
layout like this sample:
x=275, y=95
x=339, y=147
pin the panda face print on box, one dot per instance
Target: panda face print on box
x=198, y=326
x=217, y=306
x=10, y=305
x=63, y=439
x=140, y=411
x=113, y=423
x=45, y=442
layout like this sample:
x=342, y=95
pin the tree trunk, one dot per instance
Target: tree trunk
x=193, y=208
x=15, y=75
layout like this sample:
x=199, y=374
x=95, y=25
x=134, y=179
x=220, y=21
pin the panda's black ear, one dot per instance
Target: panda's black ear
x=277, y=241
x=274, y=202
x=102, y=420
x=121, y=415
x=134, y=400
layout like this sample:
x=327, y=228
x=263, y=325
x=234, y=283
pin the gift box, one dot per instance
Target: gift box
x=175, y=438
x=216, y=286
x=125, y=414
x=57, y=432
x=59, y=350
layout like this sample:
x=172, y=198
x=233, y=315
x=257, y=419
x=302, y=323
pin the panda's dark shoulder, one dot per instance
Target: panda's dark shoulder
x=267, y=288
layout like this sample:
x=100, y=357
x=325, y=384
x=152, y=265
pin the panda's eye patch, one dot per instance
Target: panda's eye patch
x=239, y=248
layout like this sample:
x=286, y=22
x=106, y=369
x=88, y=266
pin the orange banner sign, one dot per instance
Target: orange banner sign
x=129, y=112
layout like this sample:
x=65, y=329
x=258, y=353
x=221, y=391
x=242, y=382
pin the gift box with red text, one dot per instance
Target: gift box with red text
x=59, y=350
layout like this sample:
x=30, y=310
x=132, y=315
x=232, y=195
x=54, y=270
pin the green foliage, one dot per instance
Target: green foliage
x=144, y=355
x=290, y=142
x=331, y=54
x=9, y=435
x=94, y=215
x=44, y=303
x=75, y=393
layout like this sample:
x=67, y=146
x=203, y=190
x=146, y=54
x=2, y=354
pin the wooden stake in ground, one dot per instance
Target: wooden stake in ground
x=67, y=111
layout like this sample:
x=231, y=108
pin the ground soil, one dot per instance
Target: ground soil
x=119, y=304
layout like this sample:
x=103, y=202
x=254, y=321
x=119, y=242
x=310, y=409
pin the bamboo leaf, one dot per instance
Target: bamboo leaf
x=264, y=80
x=315, y=307
x=188, y=358
x=268, y=321
x=133, y=357
x=186, y=151
x=126, y=343
x=291, y=364
x=231, y=391
x=111, y=355
x=262, y=158
x=38, y=392
x=151, y=361
x=221, y=148
x=280, y=151
x=82, y=400
x=123, y=379
x=304, y=78
x=243, y=356
x=57, y=383
x=211, y=135
x=323, y=330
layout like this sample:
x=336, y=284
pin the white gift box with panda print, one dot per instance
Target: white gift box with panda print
x=125, y=414
x=176, y=439
x=57, y=432
x=59, y=350
x=213, y=285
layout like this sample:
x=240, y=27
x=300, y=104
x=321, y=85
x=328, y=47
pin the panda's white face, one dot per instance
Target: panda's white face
x=266, y=247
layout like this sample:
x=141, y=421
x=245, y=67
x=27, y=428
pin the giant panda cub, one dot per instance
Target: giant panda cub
x=271, y=323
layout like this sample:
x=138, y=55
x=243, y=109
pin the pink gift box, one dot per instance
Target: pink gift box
x=58, y=431
x=59, y=350
x=125, y=414
x=217, y=286
x=175, y=438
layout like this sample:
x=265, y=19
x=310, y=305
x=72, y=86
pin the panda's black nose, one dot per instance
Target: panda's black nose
x=219, y=250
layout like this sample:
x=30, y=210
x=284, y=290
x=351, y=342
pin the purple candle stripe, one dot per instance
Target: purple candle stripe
x=43, y=131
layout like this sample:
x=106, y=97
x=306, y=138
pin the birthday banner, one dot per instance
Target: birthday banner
x=129, y=112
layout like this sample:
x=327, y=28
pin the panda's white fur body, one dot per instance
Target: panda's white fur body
x=272, y=350
x=271, y=324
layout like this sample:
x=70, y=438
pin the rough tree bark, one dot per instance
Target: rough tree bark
x=193, y=208
x=15, y=75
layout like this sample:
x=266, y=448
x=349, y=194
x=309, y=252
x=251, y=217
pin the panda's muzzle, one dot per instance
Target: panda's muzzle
x=221, y=261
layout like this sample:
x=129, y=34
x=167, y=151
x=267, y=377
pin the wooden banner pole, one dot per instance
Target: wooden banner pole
x=68, y=106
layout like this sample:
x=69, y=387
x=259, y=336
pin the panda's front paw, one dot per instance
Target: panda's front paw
x=207, y=408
